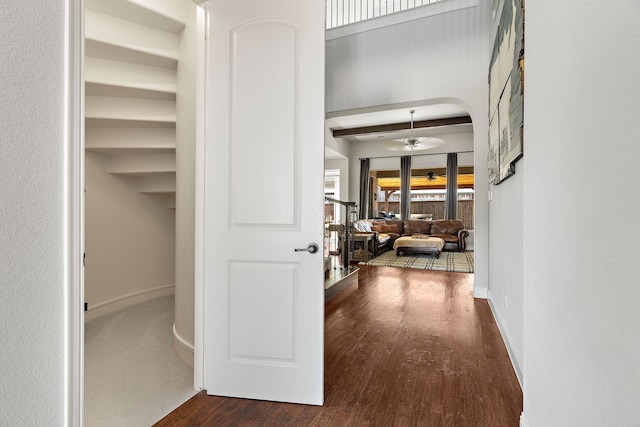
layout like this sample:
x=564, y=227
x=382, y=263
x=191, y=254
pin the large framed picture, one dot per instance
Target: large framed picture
x=506, y=94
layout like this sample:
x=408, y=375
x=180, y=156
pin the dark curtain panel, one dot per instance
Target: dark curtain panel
x=405, y=187
x=364, y=189
x=451, y=205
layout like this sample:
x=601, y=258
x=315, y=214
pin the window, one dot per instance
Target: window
x=332, y=189
x=343, y=12
x=428, y=193
x=466, y=195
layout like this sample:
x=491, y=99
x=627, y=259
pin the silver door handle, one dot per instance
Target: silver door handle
x=312, y=248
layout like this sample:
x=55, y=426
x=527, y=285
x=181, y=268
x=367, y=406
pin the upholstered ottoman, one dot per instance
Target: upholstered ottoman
x=420, y=244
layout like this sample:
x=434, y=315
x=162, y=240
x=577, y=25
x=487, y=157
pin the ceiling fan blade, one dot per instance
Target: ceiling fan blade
x=422, y=143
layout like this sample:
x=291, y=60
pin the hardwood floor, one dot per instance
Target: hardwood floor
x=403, y=348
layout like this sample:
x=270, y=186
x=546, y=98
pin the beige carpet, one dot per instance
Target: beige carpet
x=461, y=262
x=133, y=377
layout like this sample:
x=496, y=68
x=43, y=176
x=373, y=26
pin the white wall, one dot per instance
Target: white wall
x=442, y=58
x=32, y=211
x=582, y=298
x=338, y=145
x=506, y=282
x=343, y=166
x=343, y=148
x=130, y=240
x=506, y=287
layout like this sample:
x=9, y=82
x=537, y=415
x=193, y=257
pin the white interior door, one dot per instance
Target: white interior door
x=264, y=302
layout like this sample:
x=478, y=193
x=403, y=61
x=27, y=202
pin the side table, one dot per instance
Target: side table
x=365, y=242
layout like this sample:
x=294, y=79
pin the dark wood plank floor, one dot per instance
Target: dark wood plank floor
x=403, y=348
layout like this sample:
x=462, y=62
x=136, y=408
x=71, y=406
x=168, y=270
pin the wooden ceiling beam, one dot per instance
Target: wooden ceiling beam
x=451, y=121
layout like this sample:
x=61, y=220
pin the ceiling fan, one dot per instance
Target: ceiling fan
x=412, y=143
x=431, y=176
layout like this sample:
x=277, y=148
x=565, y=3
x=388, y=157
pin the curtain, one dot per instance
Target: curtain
x=364, y=189
x=451, y=198
x=405, y=187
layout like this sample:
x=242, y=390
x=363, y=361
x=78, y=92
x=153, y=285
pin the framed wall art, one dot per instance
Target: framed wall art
x=506, y=93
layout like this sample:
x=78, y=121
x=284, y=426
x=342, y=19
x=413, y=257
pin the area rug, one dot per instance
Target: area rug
x=461, y=262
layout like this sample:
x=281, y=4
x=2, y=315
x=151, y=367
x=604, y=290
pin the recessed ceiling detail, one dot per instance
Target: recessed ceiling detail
x=450, y=121
x=381, y=125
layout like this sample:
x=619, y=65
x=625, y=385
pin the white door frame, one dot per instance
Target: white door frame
x=73, y=205
x=198, y=326
x=73, y=232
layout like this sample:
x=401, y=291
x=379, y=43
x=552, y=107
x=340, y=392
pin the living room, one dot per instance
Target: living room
x=421, y=63
x=450, y=99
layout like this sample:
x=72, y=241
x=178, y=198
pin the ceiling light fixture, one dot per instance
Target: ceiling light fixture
x=412, y=143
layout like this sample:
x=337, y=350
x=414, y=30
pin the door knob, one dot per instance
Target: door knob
x=312, y=248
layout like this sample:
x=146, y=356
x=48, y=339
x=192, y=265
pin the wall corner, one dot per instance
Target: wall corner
x=183, y=349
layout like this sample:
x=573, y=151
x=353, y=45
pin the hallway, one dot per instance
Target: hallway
x=405, y=347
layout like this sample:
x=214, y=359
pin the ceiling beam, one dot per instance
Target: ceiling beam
x=450, y=121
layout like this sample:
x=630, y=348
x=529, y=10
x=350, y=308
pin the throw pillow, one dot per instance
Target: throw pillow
x=362, y=225
x=378, y=228
x=390, y=228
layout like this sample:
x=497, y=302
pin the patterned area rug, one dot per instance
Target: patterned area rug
x=461, y=262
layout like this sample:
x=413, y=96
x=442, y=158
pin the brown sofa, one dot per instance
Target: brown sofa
x=386, y=231
x=384, y=234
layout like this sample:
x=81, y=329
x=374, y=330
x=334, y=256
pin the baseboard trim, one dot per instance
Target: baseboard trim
x=183, y=349
x=506, y=337
x=480, y=292
x=523, y=421
x=127, y=300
